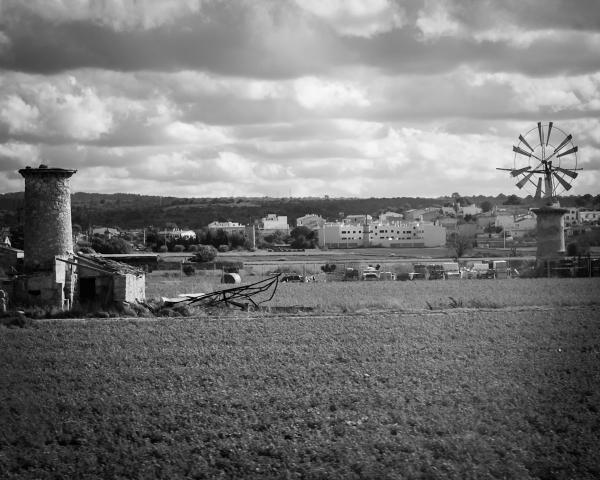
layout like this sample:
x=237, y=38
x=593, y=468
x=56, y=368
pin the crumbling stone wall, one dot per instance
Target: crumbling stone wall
x=130, y=288
x=47, y=226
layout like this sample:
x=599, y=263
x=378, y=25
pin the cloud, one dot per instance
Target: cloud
x=115, y=14
x=263, y=97
x=63, y=109
x=354, y=17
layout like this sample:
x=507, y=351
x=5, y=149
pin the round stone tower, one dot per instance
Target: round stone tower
x=550, y=232
x=47, y=224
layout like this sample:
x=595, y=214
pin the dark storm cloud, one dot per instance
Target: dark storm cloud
x=224, y=38
x=401, y=51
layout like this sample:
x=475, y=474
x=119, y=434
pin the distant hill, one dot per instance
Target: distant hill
x=135, y=211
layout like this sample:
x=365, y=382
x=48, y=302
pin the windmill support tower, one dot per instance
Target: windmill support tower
x=545, y=160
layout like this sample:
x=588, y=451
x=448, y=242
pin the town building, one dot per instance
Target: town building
x=176, y=233
x=406, y=234
x=273, y=223
x=228, y=227
x=470, y=210
x=311, y=220
x=391, y=217
x=359, y=219
x=588, y=216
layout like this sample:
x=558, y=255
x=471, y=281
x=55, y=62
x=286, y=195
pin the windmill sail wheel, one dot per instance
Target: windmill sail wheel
x=545, y=161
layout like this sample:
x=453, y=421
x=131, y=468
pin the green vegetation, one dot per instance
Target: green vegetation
x=354, y=296
x=457, y=394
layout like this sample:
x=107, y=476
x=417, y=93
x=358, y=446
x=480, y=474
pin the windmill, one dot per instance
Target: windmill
x=545, y=161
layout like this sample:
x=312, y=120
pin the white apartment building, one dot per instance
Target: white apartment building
x=272, y=223
x=407, y=234
x=589, y=216
x=571, y=217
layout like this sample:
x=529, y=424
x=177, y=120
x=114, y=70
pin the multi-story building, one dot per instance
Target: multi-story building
x=272, y=223
x=589, y=216
x=571, y=217
x=407, y=234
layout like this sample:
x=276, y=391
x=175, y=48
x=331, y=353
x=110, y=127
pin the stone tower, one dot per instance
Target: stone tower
x=47, y=223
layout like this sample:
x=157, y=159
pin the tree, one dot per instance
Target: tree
x=113, y=245
x=206, y=253
x=486, y=206
x=461, y=244
x=512, y=200
x=303, y=237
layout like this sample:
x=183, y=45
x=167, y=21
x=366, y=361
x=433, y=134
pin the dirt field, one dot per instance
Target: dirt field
x=448, y=393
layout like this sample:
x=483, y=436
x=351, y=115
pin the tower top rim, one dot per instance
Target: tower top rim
x=45, y=170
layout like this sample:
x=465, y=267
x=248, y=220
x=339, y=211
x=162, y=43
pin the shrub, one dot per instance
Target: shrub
x=206, y=253
x=188, y=269
x=178, y=248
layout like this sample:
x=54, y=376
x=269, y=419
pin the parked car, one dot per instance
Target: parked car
x=419, y=272
x=436, y=271
x=451, y=270
x=370, y=276
x=481, y=270
x=292, y=278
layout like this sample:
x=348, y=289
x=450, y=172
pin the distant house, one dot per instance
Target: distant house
x=273, y=223
x=177, y=233
x=106, y=231
x=391, y=217
x=470, y=210
x=414, y=214
x=311, y=221
x=358, y=219
x=228, y=227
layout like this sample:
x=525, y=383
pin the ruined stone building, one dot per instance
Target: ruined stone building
x=52, y=275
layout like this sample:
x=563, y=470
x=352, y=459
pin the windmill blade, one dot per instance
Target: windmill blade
x=524, y=180
x=514, y=173
x=522, y=152
x=549, y=130
x=563, y=143
x=538, y=190
x=572, y=150
x=562, y=181
x=525, y=142
x=569, y=173
x=540, y=132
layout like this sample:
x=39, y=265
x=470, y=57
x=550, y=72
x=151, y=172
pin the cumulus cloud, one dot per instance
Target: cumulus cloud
x=354, y=17
x=353, y=98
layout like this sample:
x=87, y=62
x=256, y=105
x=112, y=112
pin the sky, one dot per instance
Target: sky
x=346, y=98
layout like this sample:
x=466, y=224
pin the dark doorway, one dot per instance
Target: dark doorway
x=87, y=289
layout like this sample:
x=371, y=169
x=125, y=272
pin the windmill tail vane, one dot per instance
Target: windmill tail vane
x=545, y=161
